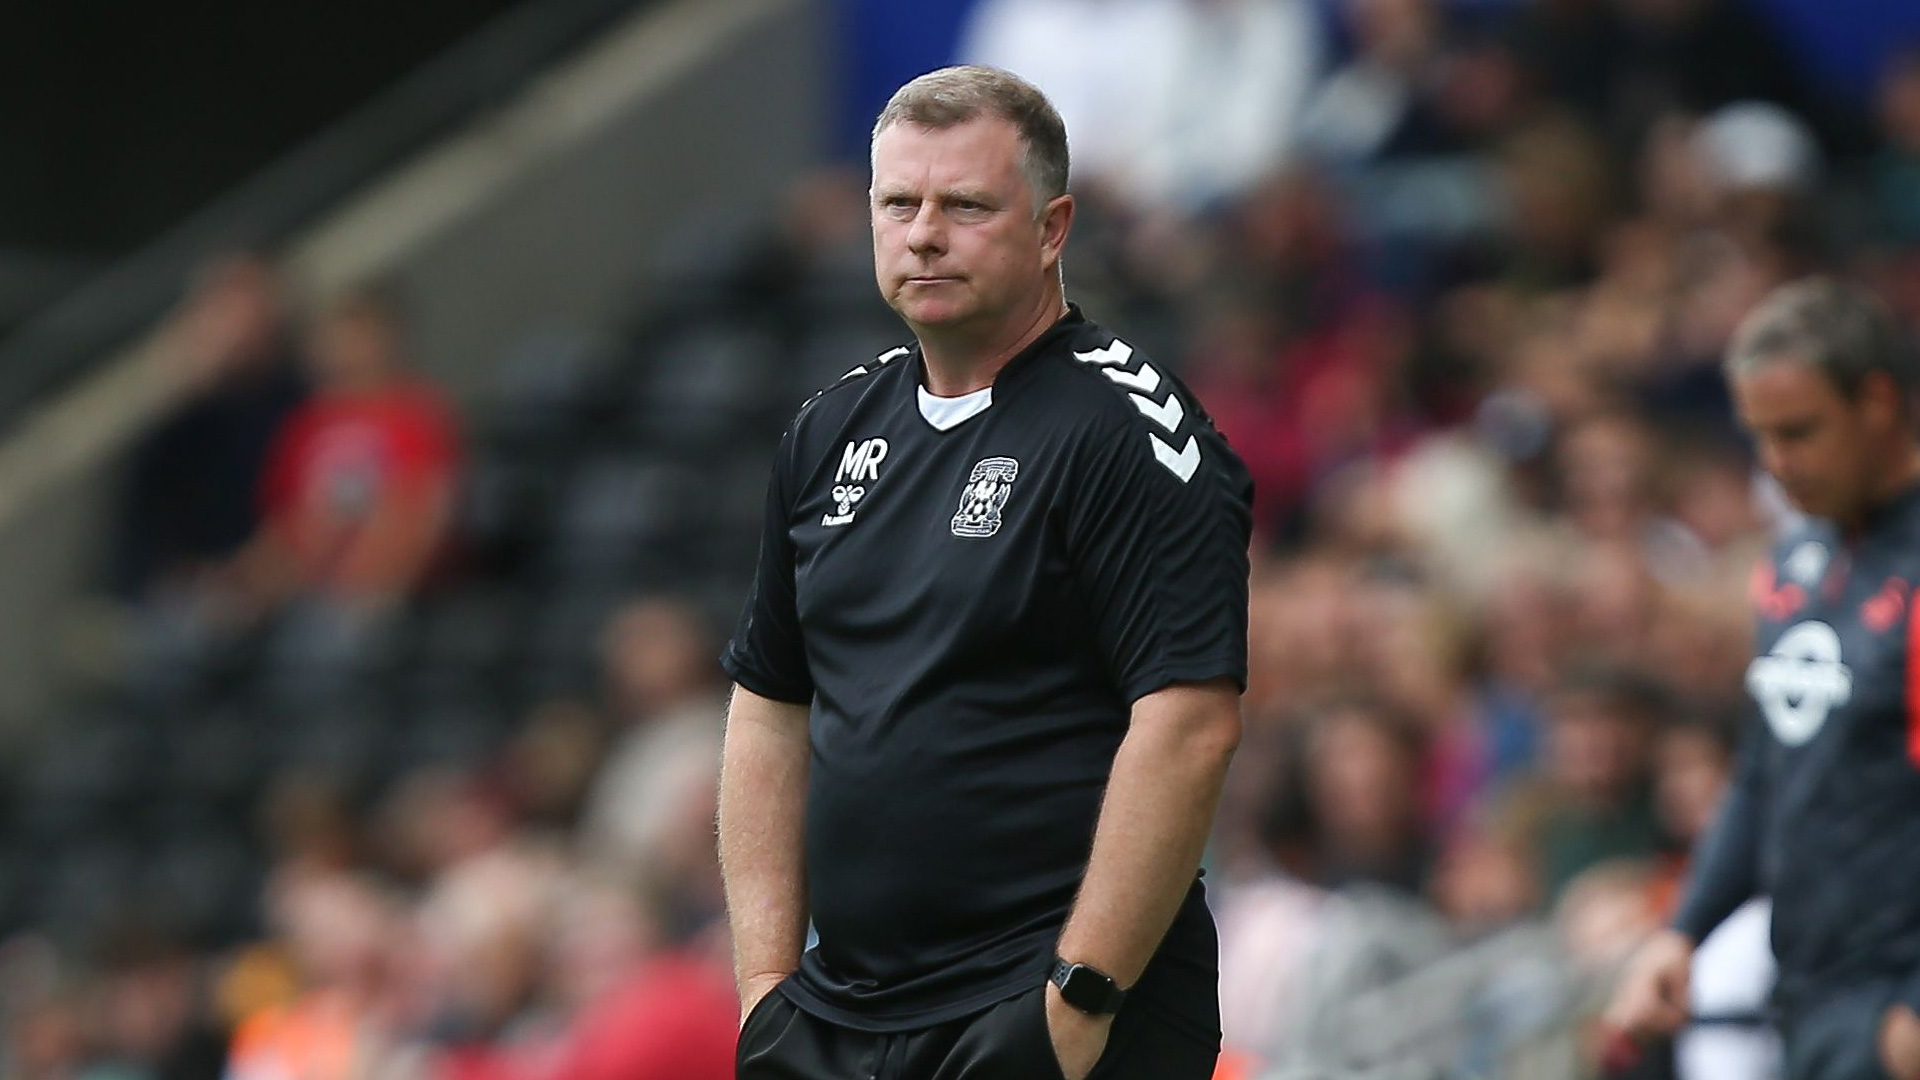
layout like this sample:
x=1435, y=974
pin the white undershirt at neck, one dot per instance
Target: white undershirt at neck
x=947, y=413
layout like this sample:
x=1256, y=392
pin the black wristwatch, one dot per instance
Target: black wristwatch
x=1087, y=988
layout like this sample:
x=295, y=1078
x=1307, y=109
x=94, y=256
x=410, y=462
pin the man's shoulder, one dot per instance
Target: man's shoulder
x=1803, y=547
x=1114, y=390
x=838, y=396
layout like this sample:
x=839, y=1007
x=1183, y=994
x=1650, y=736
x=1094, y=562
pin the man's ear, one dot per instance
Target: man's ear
x=1883, y=404
x=1056, y=221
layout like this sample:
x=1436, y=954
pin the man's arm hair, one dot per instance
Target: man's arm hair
x=763, y=789
x=1153, y=826
x=1726, y=862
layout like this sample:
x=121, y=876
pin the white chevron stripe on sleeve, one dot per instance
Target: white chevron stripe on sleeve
x=1181, y=463
x=1167, y=416
x=1146, y=380
x=1115, y=354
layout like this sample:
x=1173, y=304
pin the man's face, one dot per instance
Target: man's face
x=1810, y=436
x=955, y=239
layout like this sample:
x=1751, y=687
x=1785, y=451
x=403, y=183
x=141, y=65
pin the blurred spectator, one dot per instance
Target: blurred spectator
x=1559, y=195
x=1692, y=759
x=346, y=936
x=1625, y=62
x=1224, y=114
x=1896, y=168
x=1409, y=648
x=1592, y=801
x=41, y=1013
x=482, y=927
x=1267, y=930
x=1100, y=85
x=1487, y=878
x=1610, y=490
x=550, y=763
x=359, y=488
x=1377, y=103
x=152, y=1012
x=643, y=1008
x=1362, y=767
x=1603, y=914
x=192, y=488
x=1235, y=370
x=1766, y=164
x=651, y=808
x=1175, y=103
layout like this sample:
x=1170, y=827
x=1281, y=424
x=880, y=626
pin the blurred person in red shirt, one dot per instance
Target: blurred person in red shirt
x=644, y=1010
x=359, y=487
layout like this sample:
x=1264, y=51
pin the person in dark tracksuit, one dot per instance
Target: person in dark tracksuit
x=987, y=679
x=1824, y=811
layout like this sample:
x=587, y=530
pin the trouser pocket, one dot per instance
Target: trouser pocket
x=758, y=1023
x=1033, y=1010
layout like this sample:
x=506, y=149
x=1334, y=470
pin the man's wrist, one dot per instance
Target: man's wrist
x=1085, y=987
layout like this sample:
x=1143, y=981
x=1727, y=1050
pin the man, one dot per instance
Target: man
x=359, y=485
x=1824, y=811
x=192, y=496
x=987, y=679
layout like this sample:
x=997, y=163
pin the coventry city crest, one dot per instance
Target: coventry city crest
x=986, y=492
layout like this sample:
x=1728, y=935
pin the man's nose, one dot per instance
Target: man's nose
x=1773, y=459
x=926, y=234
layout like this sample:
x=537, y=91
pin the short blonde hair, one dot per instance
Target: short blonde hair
x=951, y=96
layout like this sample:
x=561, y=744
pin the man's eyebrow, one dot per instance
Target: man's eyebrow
x=947, y=195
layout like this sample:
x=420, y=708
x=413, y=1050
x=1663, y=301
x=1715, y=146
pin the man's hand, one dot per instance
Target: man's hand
x=754, y=990
x=1652, y=997
x=1900, y=1043
x=1078, y=1039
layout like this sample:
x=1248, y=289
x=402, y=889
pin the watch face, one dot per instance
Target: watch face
x=1087, y=990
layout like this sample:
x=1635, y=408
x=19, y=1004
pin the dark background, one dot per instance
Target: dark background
x=122, y=118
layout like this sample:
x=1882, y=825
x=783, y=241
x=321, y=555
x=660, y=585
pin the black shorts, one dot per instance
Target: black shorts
x=1839, y=1037
x=1007, y=1041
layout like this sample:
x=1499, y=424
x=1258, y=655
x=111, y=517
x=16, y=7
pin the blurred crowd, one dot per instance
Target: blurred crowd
x=1453, y=279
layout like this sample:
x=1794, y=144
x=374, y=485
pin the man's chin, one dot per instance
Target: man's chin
x=932, y=314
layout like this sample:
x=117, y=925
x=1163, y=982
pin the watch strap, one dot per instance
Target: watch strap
x=1087, y=988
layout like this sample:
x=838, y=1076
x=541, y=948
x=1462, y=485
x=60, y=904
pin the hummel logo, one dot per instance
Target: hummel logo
x=859, y=461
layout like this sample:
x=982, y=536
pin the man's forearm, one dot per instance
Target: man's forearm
x=1726, y=860
x=1153, y=827
x=763, y=786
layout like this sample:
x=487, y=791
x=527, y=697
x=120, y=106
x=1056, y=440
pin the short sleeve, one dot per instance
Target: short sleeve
x=767, y=654
x=1158, y=546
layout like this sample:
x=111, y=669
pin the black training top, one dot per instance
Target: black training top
x=1824, y=812
x=970, y=613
